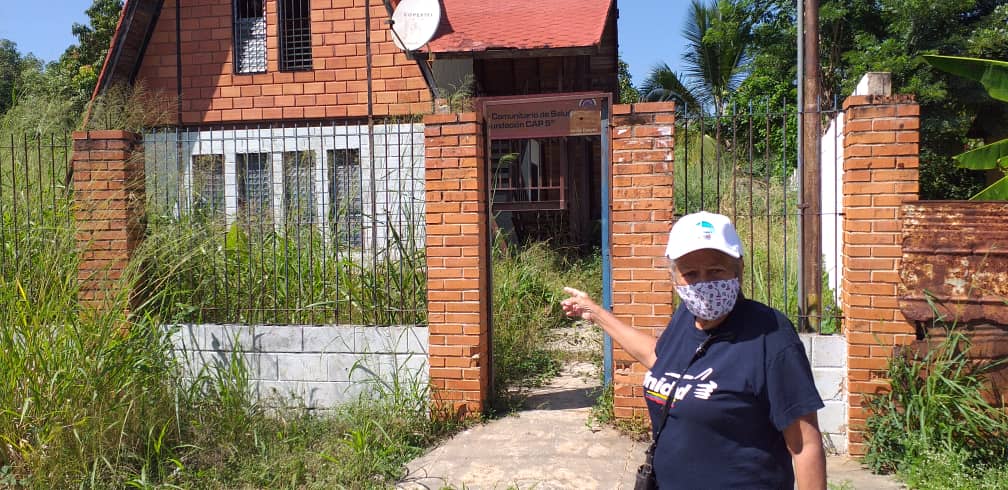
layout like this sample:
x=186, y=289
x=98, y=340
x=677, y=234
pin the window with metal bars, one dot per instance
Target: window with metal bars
x=299, y=191
x=249, y=36
x=346, y=210
x=295, y=35
x=254, y=184
x=208, y=185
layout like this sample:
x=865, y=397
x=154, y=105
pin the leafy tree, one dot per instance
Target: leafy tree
x=10, y=69
x=993, y=75
x=94, y=38
x=77, y=71
x=857, y=36
x=628, y=94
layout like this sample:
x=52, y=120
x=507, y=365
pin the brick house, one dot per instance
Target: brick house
x=271, y=98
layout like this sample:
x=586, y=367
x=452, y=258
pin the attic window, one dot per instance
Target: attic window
x=295, y=35
x=249, y=36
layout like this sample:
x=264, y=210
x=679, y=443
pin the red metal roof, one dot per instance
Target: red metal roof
x=479, y=25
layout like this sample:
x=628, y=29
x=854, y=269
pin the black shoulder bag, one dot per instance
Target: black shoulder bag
x=645, y=479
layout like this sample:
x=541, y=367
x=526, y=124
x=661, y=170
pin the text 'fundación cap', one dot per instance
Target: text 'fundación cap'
x=703, y=230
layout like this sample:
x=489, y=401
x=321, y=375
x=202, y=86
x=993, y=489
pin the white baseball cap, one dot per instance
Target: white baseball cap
x=703, y=230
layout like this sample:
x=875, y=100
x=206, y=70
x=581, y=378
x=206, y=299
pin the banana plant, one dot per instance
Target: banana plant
x=993, y=75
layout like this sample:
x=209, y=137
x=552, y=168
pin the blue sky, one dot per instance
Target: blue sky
x=649, y=30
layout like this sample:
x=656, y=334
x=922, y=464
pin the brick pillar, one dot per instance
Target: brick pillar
x=642, y=208
x=458, y=262
x=881, y=135
x=108, y=170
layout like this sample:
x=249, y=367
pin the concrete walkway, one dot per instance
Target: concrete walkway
x=552, y=444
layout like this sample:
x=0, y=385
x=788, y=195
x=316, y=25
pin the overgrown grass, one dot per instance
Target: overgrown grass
x=935, y=427
x=763, y=205
x=208, y=273
x=94, y=399
x=528, y=285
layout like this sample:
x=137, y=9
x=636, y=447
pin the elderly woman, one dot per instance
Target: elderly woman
x=729, y=375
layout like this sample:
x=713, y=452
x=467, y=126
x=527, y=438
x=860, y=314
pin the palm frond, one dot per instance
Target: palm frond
x=664, y=84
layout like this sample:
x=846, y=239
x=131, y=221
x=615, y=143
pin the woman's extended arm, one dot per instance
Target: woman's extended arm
x=637, y=343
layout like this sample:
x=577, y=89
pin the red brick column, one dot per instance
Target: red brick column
x=458, y=262
x=881, y=135
x=108, y=169
x=642, y=208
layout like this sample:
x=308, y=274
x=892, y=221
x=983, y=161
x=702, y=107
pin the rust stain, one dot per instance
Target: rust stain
x=955, y=262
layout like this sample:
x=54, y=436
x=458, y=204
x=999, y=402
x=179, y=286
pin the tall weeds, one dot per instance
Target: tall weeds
x=527, y=288
x=207, y=273
x=936, y=406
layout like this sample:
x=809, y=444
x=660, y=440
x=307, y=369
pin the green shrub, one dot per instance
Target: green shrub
x=945, y=468
x=936, y=405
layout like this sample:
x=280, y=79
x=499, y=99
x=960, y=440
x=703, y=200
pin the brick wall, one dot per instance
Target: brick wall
x=881, y=135
x=642, y=208
x=108, y=170
x=336, y=87
x=458, y=262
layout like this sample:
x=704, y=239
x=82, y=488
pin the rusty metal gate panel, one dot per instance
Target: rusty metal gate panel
x=954, y=273
x=955, y=261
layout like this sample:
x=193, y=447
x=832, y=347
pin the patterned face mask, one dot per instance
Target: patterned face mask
x=711, y=299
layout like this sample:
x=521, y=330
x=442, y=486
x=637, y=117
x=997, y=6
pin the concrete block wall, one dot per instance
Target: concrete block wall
x=642, y=207
x=828, y=356
x=317, y=366
x=336, y=86
x=881, y=158
x=458, y=262
x=108, y=172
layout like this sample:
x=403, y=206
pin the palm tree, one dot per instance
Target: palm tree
x=663, y=84
x=718, y=37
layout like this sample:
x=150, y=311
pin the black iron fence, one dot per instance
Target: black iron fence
x=302, y=224
x=743, y=164
x=35, y=198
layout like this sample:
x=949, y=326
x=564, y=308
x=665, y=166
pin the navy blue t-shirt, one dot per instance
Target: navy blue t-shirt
x=725, y=429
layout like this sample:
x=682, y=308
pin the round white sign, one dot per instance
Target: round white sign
x=414, y=22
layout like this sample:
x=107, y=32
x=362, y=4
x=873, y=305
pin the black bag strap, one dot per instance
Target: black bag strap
x=697, y=354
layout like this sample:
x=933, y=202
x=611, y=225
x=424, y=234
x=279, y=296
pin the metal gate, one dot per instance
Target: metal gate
x=744, y=164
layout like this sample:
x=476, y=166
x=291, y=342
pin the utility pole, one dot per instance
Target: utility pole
x=810, y=134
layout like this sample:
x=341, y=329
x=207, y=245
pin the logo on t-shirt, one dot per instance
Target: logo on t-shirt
x=658, y=389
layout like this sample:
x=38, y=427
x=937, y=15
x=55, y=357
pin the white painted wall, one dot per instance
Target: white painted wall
x=832, y=203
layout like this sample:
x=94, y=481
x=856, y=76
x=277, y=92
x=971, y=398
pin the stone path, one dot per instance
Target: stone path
x=552, y=444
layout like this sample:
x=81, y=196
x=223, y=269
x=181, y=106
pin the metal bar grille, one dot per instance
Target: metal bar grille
x=36, y=214
x=298, y=236
x=741, y=164
x=295, y=35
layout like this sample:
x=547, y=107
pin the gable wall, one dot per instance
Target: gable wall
x=336, y=87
